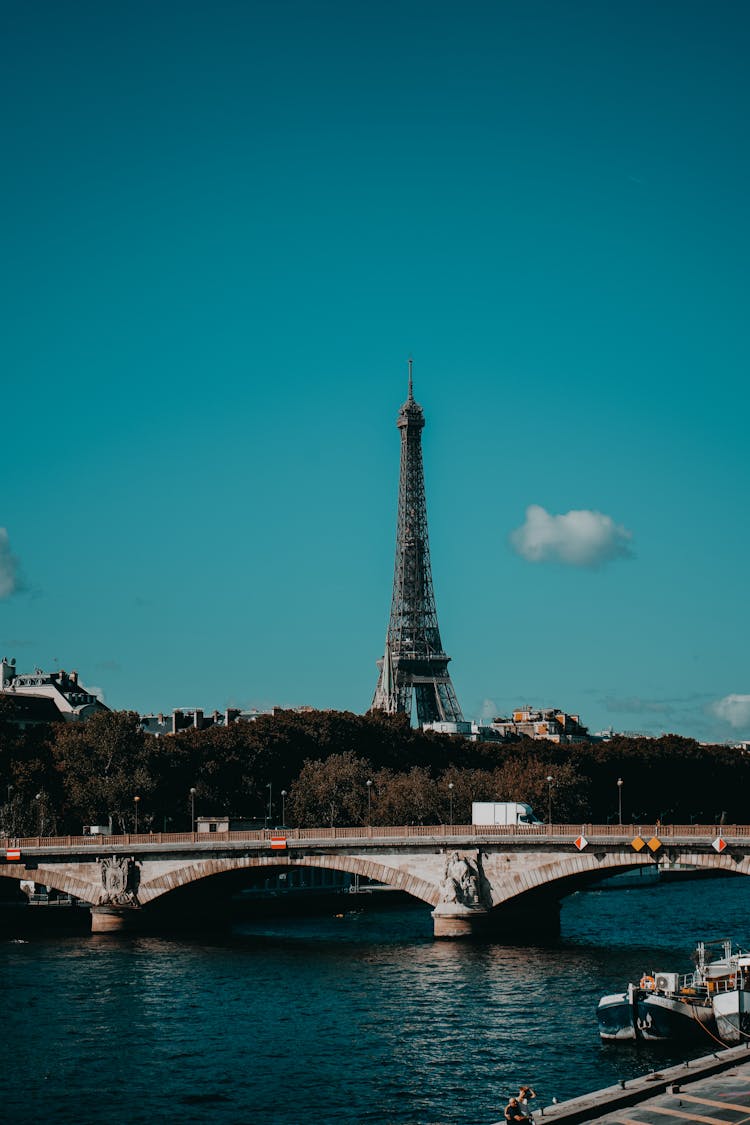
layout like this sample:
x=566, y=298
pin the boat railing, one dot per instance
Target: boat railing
x=691, y=983
x=724, y=984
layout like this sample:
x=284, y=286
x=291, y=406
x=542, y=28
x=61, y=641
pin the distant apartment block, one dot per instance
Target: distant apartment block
x=195, y=718
x=527, y=722
x=544, y=723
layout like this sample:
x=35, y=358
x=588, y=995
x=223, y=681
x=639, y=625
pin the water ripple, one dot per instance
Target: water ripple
x=341, y=1021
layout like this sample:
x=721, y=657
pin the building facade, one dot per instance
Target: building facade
x=43, y=697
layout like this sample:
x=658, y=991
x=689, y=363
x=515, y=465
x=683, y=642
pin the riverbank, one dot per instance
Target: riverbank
x=721, y=1079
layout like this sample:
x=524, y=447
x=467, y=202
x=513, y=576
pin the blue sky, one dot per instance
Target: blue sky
x=226, y=227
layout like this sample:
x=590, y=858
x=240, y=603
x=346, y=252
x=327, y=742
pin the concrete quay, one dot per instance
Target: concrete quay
x=713, y=1090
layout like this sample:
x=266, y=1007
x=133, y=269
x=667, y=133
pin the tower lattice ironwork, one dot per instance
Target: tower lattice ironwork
x=414, y=661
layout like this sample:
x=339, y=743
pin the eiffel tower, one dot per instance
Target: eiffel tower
x=414, y=660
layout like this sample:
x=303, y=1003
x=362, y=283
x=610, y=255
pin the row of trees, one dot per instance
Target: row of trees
x=62, y=776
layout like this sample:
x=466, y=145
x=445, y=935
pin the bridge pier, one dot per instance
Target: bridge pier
x=113, y=919
x=540, y=920
x=459, y=922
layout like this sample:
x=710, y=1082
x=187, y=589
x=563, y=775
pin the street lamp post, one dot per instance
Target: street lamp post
x=269, y=787
x=283, y=807
x=550, y=779
x=192, y=809
x=368, y=783
x=136, y=802
x=450, y=793
x=8, y=813
x=619, y=800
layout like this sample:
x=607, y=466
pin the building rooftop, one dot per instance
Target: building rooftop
x=63, y=690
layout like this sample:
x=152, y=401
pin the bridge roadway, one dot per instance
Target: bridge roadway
x=478, y=880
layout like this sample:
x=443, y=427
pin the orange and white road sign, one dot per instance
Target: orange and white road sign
x=278, y=843
x=12, y=853
x=581, y=843
x=719, y=845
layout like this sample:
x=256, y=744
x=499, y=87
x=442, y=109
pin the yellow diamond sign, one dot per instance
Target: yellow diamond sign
x=638, y=844
x=654, y=844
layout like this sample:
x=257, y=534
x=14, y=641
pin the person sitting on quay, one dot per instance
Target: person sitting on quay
x=514, y=1113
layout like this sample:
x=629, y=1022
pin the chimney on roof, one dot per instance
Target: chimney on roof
x=7, y=672
x=198, y=719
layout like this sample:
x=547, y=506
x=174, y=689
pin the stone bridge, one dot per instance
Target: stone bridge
x=476, y=879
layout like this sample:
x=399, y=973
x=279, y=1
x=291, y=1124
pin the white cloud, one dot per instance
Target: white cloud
x=733, y=709
x=9, y=580
x=578, y=538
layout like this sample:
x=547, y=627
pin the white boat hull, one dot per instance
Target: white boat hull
x=732, y=1014
x=616, y=1016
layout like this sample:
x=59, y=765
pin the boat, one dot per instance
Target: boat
x=667, y=1006
x=617, y=1015
x=731, y=1003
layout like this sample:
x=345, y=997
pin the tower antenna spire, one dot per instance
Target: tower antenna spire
x=411, y=384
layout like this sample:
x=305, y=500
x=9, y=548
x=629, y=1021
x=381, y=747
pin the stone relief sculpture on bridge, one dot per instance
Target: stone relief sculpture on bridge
x=462, y=882
x=119, y=881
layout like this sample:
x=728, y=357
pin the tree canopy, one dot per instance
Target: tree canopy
x=58, y=777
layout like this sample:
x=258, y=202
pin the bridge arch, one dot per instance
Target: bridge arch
x=569, y=873
x=156, y=887
x=151, y=887
x=58, y=878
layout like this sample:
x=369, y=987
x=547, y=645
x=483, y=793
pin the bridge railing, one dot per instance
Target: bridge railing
x=624, y=832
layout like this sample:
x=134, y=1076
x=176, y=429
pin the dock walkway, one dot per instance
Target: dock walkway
x=713, y=1090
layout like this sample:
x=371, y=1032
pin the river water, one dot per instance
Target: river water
x=346, y=1020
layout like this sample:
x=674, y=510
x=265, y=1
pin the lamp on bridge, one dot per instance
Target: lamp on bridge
x=192, y=808
x=283, y=807
x=619, y=800
x=368, y=783
x=550, y=780
x=269, y=787
x=450, y=794
x=40, y=809
x=136, y=801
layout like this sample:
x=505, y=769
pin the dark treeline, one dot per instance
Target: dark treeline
x=59, y=777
